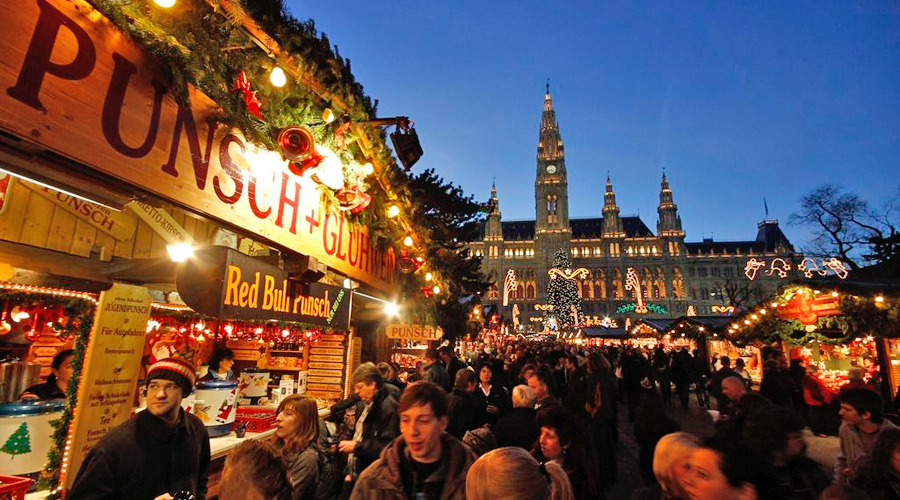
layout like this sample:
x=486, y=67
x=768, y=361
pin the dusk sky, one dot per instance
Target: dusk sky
x=737, y=100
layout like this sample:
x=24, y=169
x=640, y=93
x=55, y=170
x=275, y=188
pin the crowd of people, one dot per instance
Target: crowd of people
x=525, y=420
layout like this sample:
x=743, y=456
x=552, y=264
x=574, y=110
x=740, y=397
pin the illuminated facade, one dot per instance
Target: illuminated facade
x=673, y=274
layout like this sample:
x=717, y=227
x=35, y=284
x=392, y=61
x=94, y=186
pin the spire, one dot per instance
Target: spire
x=493, y=228
x=669, y=223
x=612, y=223
x=550, y=145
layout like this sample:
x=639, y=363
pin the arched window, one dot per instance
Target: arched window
x=600, y=287
x=617, y=289
x=647, y=284
x=661, y=283
x=677, y=283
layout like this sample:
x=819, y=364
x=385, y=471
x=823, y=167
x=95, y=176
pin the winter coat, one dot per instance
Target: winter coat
x=380, y=427
x=497, y=396
x=454, y=366
x=853, y=453
x=462, y=411
x=518, y=428
x=303, y=471
x=144, y=458
x=778, y=387
x=437, y=375
x=383, y=480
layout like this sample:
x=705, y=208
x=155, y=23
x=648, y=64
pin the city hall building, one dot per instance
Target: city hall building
x=621, y=256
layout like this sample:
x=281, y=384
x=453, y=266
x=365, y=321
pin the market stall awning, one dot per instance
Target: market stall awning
x=606, y=333
x=660, y=325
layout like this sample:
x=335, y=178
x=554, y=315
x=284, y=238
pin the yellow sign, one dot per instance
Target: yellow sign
x=110, y=371
x=414, y=332
x=101, y=101
x=115, y=224
x=160, y=221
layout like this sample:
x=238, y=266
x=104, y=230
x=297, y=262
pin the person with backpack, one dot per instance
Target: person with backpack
x=297, y=435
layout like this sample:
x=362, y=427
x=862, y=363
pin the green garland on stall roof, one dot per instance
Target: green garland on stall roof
x=75, y=309
x=199, y=44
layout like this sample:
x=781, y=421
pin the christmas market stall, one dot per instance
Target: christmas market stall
x=834, y=324
x=181, y=179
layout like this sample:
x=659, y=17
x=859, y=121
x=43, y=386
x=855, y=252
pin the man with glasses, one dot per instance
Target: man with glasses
x=154, y=455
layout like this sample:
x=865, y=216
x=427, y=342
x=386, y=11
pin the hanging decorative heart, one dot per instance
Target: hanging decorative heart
x=405, y=263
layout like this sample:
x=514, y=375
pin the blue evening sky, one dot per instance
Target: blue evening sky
x=738, y=100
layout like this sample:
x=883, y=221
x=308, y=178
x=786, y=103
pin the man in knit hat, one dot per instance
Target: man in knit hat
x=158, y=453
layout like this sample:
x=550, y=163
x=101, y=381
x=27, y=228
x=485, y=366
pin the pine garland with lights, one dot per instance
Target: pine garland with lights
x=562, y=293
x=859, y=316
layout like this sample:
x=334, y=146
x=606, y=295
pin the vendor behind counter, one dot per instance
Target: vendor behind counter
x=57, y=382
x=220, y=365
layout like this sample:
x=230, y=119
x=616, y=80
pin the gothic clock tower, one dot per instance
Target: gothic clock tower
x=551, y=195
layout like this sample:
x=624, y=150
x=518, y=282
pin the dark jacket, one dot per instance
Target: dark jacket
x=462, y=411
x=303, y=471
x=45, y=391
x=802, y=479
x=144, y=458
x=498, y=397
x=381, y=426
x=518, y=428
x=437, y=375
x=778, y=387
x=454, y=366
x=652, y=492
x=384, y=478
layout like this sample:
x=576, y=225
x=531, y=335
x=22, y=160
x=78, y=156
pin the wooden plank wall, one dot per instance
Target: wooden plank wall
x=34, y=220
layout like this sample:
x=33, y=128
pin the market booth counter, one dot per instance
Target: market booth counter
x=835, y=324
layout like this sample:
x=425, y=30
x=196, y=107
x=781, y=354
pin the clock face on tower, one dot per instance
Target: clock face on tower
x=551, y=169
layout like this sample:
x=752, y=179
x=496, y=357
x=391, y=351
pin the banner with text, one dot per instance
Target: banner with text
x=414, y=332
x=107, y=107
x=227, y=284
x=110, y=371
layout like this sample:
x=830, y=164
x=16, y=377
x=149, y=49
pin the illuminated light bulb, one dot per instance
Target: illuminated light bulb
x=436, y=289
x=834, y=294
x=258, y=330
x=774, y=304
x=879, y=299
x=408, y=241
x=180, y=252
x=391, y=309
x=753, y=316
x=285, y=333
x=277, y=77
x=229, y=329
x=393, y=211
x=746, y=321
x=368, y=169
x=328, y=115
x=429, y=276
x=762, y=311
x=164, y=3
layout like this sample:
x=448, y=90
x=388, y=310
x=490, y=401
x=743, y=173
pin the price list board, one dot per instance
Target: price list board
x=327, y=367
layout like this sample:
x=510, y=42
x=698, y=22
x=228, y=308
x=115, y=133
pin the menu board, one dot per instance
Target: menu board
x=110, y=371
x=327, y=363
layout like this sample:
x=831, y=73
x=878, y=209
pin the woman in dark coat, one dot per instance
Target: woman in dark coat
x=492, y=399
x=519, y=426
x=563, y=442
x=603, y=406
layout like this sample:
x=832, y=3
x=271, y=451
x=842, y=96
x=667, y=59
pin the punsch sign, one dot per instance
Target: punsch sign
x=74, y=84
x=227, y=284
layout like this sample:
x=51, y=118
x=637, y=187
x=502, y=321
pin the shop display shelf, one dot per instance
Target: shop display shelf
x=13, y=487
x=257, y=419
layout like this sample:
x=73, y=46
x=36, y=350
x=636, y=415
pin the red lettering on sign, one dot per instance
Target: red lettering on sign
x=329, y=249
x=231, y=169
x=251, y=195
x=185, y=118
x=284, y=200
x=112, y=109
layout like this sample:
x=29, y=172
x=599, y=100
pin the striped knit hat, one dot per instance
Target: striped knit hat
x=174, y=370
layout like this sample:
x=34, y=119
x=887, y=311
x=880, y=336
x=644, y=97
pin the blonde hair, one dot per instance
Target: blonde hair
x=511, y=473
x=522, y=397
x=671, y=448
x=308, y=428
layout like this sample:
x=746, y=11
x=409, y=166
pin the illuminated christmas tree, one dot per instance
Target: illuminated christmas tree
x=19, y=443
x=562, y=293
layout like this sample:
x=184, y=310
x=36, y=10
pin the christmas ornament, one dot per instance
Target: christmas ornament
x=299, y=147
x=406, y=264
x=340, y=135
x=250, y=100
x=353, y=199
x=427, y=291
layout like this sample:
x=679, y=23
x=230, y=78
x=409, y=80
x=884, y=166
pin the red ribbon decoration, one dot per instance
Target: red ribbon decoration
x=253, y=103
